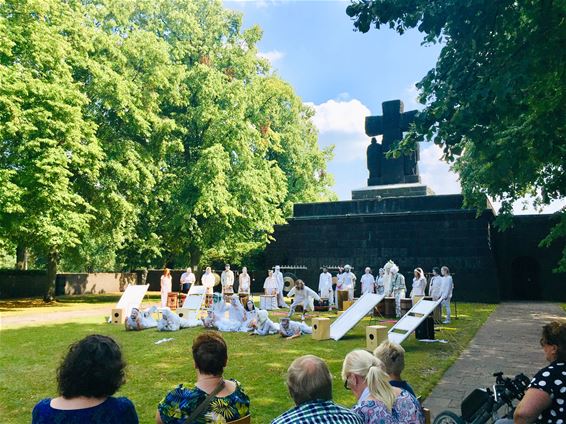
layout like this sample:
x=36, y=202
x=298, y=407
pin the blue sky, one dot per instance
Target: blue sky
x=345, y=76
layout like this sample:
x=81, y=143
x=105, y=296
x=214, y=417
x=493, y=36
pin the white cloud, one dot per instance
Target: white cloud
x=435, y=172
x=273, y=55
x=341, y=122
x=411, y=98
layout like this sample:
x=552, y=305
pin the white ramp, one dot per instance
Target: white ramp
x=411, y=320
x=354, y=314
x=194, y=301
x=132, y=298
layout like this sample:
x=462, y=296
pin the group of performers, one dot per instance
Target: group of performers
x=246, y=318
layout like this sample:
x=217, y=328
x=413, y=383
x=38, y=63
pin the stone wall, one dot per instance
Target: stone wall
x=93, y=283
x=526, y=270
x=17, y=284
x=414, y=232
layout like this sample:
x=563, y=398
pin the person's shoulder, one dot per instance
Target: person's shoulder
x=120, y=402
x=42, y=405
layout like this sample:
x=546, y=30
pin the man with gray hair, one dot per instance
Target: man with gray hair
x=310, y=385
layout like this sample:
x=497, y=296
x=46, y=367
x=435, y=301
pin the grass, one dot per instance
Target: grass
x=30, y=356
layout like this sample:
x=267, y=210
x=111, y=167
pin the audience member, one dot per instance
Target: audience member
x=545, y=399
x=310, y=385
x=91, y=372
x=212, y=394
x=392, y=355
x=378, y=401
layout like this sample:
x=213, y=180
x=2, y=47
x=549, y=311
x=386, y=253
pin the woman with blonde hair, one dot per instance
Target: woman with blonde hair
x=378, y=401
x=165, y=286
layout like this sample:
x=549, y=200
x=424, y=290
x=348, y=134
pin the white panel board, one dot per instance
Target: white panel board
x=197, y=289
x=132, y=297
x=194, y=300
x=354, y=314
x=411, y=320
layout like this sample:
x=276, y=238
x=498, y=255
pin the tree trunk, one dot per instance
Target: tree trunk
x=22, y=256
x=195, y=254
x=52, y=262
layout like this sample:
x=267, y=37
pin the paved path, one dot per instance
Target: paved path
x=54, y=317
x=508, y=342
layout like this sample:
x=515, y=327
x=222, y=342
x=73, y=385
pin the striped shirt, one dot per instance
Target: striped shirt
x=318, y=412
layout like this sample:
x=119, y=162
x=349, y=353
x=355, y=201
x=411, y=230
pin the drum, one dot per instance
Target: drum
x=182, y=297
x=389, y=307
x=268, y=302
x=172, y=300
x=406, y=305
x=321, y=305
x=342, y=296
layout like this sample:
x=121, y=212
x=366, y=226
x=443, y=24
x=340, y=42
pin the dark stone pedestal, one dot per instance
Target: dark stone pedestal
x=419, y=231
x=391, y=190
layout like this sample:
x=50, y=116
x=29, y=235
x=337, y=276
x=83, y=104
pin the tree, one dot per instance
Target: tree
x=495, y=99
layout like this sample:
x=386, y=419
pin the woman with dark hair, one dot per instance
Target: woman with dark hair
x=545, y=399
x=213, y=397
x=89, y=375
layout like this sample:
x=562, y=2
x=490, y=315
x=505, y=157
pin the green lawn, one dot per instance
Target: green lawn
x=30, y=356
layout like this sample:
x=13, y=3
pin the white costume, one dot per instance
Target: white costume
x=325, y=287
x=251, y=317
x=435, y=287
x=280, y=285
x=379, y=281
x=270, y=285
x=236, y=312
x=217, y=316
x=288, y=328
x=170, y=321
x=348, y=282
x=304, y=297
x=264, y=325
x=165, y=289
x=398, y=288
x=387, y=291
x=244, y=283
x=140, y=320
x=446, y=288
x=208, y=281
x=187, y=278
x=227, y=279
x=419, y=285
x=368, y=283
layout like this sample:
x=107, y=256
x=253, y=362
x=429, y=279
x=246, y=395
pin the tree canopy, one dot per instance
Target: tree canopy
x=134, y=133
x=495, y=99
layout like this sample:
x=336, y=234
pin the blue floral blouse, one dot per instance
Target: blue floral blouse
x=178, y=404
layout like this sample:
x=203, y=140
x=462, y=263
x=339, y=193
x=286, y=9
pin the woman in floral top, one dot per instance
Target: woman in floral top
x=230, y=403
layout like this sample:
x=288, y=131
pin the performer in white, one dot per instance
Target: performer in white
x=165, y=286
x=280, y=284
x=398, y=288
x=419, y=283
x=270, y=284
x=293, y=329
x=435, y=285
x=387, y=278
x=208, y=280
x=264, y=325
x=349, y=281
x=244, y=282
x=303, y=296
x=187, y=280
x=379, y=282
x=368, y=282
x=447, y=286
x=140, y=320
x=325, y=286
x=236, y=311
x=251, y=316
x=227, y=279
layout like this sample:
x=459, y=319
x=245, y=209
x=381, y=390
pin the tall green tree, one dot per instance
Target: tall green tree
x=495, y=99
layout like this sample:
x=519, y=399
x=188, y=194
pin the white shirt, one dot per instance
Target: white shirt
x=303, y=295
x=270, y=283
x=208, y=280
x=227, y=278
x=349, y=280
x=419, y=285
x=279, y=278
x=446, y=287
x=434, y=287
x=368, y=283
x=325, y=282
x=187, y=277
x=244, y=286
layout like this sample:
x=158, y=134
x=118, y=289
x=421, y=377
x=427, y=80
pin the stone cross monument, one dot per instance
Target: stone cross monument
x=382, y=170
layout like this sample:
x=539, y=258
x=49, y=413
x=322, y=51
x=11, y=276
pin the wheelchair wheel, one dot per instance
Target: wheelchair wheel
x=448, y=417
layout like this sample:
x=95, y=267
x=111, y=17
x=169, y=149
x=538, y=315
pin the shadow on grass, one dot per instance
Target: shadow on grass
x=36, y=302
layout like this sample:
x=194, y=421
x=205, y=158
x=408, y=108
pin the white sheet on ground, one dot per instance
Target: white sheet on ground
x=354, y=314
